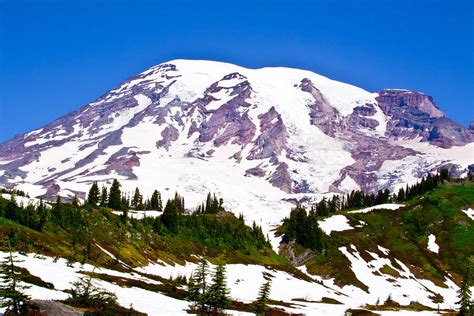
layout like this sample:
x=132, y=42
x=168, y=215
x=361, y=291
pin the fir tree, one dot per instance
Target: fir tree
x=11, y=209
x=115, y=196
x=11, y=292
x=260, y=305
x=198, y=291
x=217, y=297
x=194, y=294
x=464, y=293
x=93, y=196
x=170, y=216
x=155, y=201
x=104, y=197
x=86, y=294
x=137, y=201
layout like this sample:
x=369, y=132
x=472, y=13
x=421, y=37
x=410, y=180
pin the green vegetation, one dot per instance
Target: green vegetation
x=359, y=199
x=466, y=306
x=11, y=292
x=304, y=229
x=405, y=233
x=208, y=299
x=80, y=232
x=261, y=303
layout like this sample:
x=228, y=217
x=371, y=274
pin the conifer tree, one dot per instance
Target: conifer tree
x=11, y=292
x=194, y=294
x=104, y=197
x=260, y=305
x=11, y=208
x=197, y=289
x=464, y=294
x=137, y=201
x=217, y=297
x=115, y=196
x=155, y=201
x=85, y=293
x=170, y=216
x=93, y=196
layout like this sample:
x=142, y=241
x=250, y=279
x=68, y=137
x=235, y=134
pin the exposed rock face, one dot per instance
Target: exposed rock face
x=321, y=113
x=53, y=308
x=281, y=128
x=413, y=114
x=272, y=139
x=395, y=98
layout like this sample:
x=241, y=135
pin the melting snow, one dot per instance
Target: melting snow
x=432, y=245
x=469, y=212
x=336, y=223
x=378, y=207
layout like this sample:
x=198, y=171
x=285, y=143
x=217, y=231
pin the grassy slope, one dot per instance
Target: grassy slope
x=405, y=232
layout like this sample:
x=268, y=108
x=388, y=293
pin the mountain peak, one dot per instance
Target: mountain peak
x=288, y=133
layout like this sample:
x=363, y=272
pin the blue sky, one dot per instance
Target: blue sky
x=58, y=55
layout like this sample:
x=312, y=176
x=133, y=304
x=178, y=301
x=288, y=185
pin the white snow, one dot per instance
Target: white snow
x=388, y=206
x=469, y=212
x=244, y=282
x=335, y=223
x=432, y=245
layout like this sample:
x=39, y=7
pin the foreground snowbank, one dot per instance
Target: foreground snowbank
x=244, y=282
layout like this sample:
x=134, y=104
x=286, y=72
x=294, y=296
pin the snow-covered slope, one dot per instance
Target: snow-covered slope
x=244, y=282
x=260, y=138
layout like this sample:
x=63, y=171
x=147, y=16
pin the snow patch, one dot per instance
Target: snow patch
x=469, y=212
x=388, y=206
x=337, y=223
x=432, y=245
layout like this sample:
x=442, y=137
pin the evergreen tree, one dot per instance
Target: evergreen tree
x=198, y=291
x=85, y=293
x=11, y=209
x=115, y=196
x=464, y=293
x=75, y=201
x=155, y=201
x=104, y=197
x=137, y=201
x=93, y=196
x=194, y=294
x=260, y=305
x=217, y=297
x=170, y=216
x=11, y=292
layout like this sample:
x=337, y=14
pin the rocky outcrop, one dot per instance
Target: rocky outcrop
x=229, y=123
x=272, y=139
x=281, y=178
x=414, y=115
x=54, y=308
x=322, y=114
x=390, y=99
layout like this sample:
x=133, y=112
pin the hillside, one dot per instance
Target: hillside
x=379, y=258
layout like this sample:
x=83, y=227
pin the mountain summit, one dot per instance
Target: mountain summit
x=257, y=137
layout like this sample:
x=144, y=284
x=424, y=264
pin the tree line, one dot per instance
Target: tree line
x=359, y=199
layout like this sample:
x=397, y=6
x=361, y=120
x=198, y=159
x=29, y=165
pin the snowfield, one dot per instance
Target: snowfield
x=244, y=282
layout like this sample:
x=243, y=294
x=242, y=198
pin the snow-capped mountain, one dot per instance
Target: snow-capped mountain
x=260, y=138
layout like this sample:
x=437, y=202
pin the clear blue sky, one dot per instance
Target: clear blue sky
x=55, y=57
